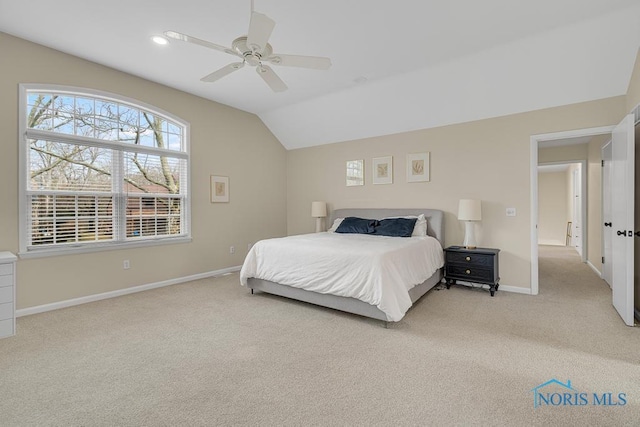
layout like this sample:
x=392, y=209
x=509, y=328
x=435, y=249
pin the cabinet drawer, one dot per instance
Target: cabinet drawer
x=469, y=273
x=6, y=269
x=6, y=310
x=6, y=328
x=6, y=280
x=482, y=260
x=6, y=294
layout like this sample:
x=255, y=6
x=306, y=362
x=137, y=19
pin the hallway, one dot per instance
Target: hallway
x=564, y=275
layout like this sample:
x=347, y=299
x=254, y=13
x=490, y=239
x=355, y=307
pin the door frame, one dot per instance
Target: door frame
x=606, y=266
x=533, y=167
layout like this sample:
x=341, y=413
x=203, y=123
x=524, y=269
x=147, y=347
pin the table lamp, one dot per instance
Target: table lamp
x=318, y=211
x=469, y=211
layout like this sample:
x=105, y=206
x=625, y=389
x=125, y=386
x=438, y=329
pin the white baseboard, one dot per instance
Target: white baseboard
x=121, y=292
x=514, y=289
x=593, y=267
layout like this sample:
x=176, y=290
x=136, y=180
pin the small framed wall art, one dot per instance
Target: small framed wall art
x=219, y=189
x=355, y=172
x=418, y=167
x=383, y=170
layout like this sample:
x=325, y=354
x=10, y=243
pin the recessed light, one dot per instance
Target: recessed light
x=159, y=40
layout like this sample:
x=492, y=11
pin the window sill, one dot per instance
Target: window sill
x=42, y=253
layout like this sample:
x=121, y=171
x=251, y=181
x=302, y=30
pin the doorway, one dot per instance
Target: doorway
x=550, y=140
x=562, y=205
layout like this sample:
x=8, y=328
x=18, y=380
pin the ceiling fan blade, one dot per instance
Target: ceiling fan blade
x=190, y=39
x=314, y=62
x=224, y=71
x=260, y=29
x=271, y=78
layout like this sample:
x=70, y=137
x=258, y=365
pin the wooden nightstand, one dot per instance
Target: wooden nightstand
x=478, y=265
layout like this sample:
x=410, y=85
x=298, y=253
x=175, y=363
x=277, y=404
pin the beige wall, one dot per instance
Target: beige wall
x=565, y=153
x=224, y=141
x=487, y=159
x=552, y=208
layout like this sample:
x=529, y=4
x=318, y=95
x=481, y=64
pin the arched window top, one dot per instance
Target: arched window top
x=102, y=116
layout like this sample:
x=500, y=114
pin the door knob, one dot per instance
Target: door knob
x=622, y=233
x=607, y=224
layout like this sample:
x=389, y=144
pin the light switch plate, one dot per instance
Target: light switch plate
x=511, y=211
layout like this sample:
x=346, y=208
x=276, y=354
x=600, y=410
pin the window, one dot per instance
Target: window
x=99, y=171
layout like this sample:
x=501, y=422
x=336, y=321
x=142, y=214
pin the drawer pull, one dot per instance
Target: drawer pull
x=468, y=271
x=468, y=258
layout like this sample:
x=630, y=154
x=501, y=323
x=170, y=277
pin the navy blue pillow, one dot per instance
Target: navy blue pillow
x=351, y=224
x=396, y=227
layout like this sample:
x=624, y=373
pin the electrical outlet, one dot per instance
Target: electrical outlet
x=232, y=249
x=511, y=211
x=125, y=264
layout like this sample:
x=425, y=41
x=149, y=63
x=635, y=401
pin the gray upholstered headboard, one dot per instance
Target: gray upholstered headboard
x=435, y=217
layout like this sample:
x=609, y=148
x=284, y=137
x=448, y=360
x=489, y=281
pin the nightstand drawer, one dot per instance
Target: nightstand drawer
x=481, y=260
x=469, y=273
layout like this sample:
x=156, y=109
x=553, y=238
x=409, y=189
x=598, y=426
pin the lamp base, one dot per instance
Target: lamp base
x=469, y=235
x=319, y=225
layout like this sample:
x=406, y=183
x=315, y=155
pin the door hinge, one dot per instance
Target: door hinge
x=603, y=163
x=603, y=260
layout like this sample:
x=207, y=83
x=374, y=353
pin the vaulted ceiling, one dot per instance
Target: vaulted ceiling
x=397, y=65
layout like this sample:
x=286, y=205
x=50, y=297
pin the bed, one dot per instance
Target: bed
x=308, y=274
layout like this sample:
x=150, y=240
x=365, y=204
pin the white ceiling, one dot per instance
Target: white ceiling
x=425, y=63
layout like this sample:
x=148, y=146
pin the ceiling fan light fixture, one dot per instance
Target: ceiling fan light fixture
x=159, y=40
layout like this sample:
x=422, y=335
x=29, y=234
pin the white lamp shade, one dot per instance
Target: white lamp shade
x=318, y=209
x=469, y=210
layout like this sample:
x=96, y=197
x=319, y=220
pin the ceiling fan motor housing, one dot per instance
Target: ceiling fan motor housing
x=251, y=56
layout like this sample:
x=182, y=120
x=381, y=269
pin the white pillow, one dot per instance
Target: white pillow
x=420, y=229
x=335, y=225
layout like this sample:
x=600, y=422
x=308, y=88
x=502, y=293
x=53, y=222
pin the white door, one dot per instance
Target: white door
x=577, y=211
x=607, y=229
x=622, y=198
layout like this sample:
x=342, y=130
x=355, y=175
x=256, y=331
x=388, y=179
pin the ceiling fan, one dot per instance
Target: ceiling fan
x=254, y=50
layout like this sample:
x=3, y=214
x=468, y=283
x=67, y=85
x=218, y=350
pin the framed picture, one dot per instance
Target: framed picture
x=418, y=167
x=355, y=172
x=219, y=189
x=383, y=170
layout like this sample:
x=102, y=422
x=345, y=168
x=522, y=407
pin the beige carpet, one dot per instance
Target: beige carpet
x=209, y=353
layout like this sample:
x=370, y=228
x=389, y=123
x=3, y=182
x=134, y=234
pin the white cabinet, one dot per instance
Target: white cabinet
x=7, y=294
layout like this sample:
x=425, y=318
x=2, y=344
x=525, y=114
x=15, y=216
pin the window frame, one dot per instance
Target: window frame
x=23, y=170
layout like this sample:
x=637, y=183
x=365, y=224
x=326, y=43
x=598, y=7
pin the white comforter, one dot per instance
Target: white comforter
x=378, y=270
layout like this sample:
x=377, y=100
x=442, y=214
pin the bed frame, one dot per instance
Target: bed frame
x=435, y=228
